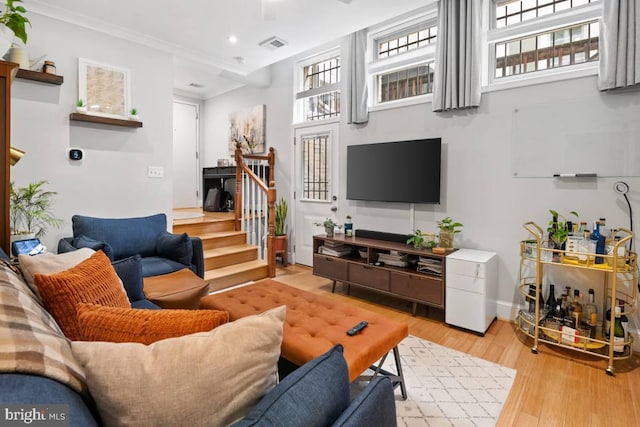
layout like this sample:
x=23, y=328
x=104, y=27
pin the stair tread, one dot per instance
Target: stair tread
x=233, y=269
x=225, y=250
x=218, y=234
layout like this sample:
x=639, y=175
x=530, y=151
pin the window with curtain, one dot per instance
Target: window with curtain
x=401, y=58
x=543, y=36
x=318, y=88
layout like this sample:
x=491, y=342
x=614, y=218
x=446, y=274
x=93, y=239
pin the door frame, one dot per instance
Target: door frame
x=199, y=197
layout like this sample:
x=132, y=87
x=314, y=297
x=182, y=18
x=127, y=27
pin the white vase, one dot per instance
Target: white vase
x=20, y=56
x=6, y=39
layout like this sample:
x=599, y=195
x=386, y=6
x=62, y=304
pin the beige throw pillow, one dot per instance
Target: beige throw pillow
x=50, y=264
x=204, y=379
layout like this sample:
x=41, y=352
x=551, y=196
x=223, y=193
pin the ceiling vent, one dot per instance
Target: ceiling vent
x=273, y=43
x=196, y=85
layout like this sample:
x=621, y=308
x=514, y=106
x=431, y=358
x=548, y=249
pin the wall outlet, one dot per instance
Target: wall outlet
x=155, y=172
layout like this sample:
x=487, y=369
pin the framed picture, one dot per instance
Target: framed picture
x=248, y=128
x=105, y=89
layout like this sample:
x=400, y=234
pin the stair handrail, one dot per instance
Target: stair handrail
x=270, y=191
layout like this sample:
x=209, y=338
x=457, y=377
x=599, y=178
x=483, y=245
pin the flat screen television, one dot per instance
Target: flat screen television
x=403, y=171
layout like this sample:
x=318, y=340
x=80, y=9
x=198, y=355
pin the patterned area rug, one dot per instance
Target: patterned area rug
x=448, y=388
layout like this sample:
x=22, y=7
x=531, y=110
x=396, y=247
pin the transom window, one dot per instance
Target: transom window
x=413, y=39
x=512, y=12
x=565, y=46
x=319, y=93
x=315, y=168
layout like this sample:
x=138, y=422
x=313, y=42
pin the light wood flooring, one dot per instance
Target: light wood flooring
x=556, y=387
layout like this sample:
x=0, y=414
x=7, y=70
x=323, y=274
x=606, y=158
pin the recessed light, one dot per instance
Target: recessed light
x=232, y=39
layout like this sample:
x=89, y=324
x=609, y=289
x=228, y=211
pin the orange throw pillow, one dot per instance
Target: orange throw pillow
x=113, y=324
x=93, y=280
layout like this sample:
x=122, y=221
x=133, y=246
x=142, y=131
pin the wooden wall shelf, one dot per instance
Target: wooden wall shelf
x=38, y=76
x=105, y=120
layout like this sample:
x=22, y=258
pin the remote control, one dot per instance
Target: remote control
x=360, y=326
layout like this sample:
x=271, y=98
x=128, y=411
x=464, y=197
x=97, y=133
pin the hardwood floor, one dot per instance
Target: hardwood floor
x=556, y=387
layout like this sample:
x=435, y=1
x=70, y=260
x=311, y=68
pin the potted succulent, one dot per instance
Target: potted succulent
x=30, y=211
x=281, y=209
x=13, y=24
x=133, y=114
x=448, y=229
x=328, y=225
x=421, y=240
x=81, y=107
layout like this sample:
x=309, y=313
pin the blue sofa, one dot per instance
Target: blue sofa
x=161, y=252
x=316, y=394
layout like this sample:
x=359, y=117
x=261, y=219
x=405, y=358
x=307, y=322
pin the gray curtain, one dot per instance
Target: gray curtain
x=358, y=111
x=619, y=44
x=457, y=80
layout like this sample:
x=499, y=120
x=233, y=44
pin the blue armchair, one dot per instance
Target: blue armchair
x=161, y=252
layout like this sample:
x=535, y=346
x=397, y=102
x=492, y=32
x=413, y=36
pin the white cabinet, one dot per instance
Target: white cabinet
x=471, y=288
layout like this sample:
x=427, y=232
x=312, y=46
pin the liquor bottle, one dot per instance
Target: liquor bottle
x=606, y=324
x=551, y=298
x=532, y=299
x=623, y=317
x=590, y=306
x=593, y=324
x=599, y=241
x=558, y=314
x=618, y=334
x=576, y=308
x=595, y=233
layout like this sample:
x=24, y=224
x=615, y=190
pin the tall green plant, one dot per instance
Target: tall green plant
x=13, y=19
x=30, y=209
x=281, y=216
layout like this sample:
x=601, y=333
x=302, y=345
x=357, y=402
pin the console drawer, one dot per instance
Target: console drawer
x=330, y=267
x=367, y=275
x=421, y=288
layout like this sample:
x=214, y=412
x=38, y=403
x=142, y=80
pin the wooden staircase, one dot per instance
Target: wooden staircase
x=228, y=259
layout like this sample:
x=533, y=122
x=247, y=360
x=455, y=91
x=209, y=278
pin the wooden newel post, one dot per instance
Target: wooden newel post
x=271, y=252
x=237, y=200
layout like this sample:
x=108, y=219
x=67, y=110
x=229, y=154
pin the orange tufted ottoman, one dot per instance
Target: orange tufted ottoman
x=314, y=324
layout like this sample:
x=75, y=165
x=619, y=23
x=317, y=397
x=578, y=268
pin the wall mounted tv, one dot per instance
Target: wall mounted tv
x=404, y=171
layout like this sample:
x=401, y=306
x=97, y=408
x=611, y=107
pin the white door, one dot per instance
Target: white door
x=316, y=188
x=186, y=173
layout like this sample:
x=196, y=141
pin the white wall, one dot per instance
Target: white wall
x=111, y=180
x=478, y=188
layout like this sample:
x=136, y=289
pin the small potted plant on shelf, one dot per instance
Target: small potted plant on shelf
x=13, y=24
x=133, y=114
x=281, y=209
x=328, y=225
x=30, y=211
x=421, y=240
x=448, y=229
x=81, y=107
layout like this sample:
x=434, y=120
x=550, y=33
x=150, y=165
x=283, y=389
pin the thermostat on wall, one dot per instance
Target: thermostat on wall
x=75, y=154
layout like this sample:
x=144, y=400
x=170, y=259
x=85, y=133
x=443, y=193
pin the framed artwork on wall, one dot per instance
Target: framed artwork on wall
x=248, y=128
x=105, y=89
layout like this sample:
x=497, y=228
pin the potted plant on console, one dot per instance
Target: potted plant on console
x=30, y=211
x=421, y=240
x=280, y=241
x=329, y=226
x=448, y=229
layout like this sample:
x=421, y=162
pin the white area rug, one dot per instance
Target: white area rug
x=448, y=388
x=187, y=215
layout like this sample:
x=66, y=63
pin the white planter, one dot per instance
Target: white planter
x=81, y=110
x=134, y=117
x=6, y=39
x=20, y=56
